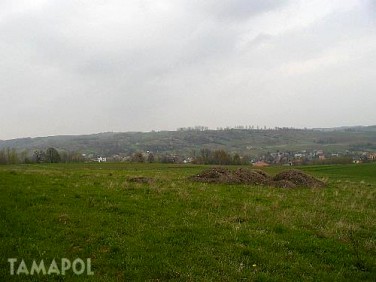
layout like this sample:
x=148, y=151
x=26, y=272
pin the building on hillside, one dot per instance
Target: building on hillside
x=371, y=156
x=357, y=161
x=101, y=159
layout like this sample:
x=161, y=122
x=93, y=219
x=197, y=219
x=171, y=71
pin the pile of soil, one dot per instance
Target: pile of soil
x=299, y=178
x=256, y=177
x=286, y=179
x=239, y=176
x=215, y=175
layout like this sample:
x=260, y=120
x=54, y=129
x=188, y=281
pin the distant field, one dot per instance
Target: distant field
x=170, y=228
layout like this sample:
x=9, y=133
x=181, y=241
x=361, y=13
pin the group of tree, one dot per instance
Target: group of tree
x=139, y=157
x=218, y=157
x=205, y=156
x=8, y=156
x=50, y=155
x=237, y=127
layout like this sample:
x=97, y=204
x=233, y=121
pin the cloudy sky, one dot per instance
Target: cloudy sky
x=87, y=66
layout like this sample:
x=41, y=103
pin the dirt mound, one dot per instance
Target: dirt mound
x=298, y=178
x=214, y=175
x=286, y=179
x=239, y=176
x=247, y=176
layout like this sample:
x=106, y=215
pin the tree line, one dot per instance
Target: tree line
x=204, y=156
x=50, y=155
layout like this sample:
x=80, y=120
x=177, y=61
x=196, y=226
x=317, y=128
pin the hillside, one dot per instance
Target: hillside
x=243, y=141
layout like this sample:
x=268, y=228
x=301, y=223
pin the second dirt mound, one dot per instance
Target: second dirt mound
x=298, y=178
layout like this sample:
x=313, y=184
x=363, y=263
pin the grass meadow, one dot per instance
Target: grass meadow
x=171, y=228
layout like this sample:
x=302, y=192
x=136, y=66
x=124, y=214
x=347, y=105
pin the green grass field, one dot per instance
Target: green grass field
x=175, y=229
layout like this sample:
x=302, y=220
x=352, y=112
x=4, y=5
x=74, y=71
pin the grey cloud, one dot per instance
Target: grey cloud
x=79, y=67
x=235, y=10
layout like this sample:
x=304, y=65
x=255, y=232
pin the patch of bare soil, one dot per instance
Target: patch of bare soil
x=140, y=179
x=286, y=179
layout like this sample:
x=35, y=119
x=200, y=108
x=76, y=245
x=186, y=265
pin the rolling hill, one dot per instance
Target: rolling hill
x=243, y=141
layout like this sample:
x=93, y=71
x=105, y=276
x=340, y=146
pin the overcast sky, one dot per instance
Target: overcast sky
x=87, y=66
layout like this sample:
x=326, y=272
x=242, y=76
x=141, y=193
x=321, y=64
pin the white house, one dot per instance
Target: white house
x=101, y=159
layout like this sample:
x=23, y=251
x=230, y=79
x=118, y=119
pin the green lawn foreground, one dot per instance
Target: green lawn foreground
x=175, y=229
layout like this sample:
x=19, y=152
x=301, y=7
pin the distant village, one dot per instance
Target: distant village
x=203, y=156
x=303, y=157
x=313, y=157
